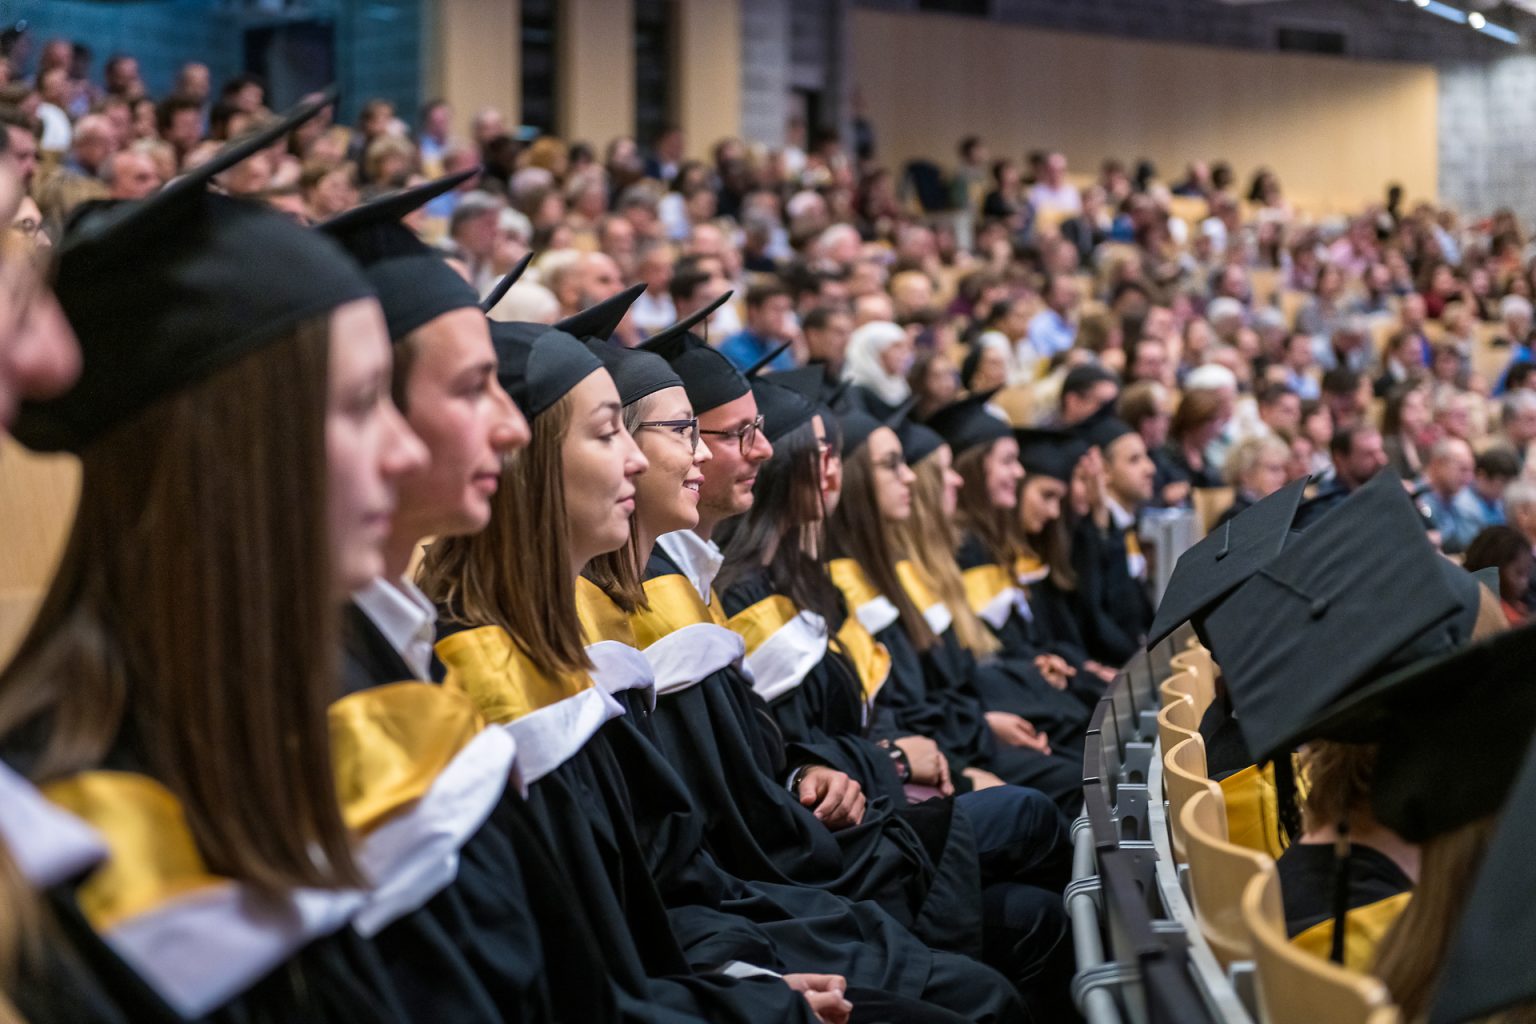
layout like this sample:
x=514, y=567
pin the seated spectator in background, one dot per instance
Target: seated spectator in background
x=1196, y=423
x=1347, y=395
x=1494, y=469
x=1150, y=362
x=1407, y=430
x=1357, y=455
x=1517, y=420
x=1301, y=366
x=1321, y=315
x=1279, y=408
x=94, y=140
x=768, y=326
x=1456, y=414
x=328, y=190
x=1508, y=550
x=180, y=123
x=1348, y=345
x=880, y=354
x=654, y=309
x=1147, y=408
x=1054, y=329
x=1402, y=362
x=934, y=382
x=1515, y=316
x=1006, y=328
x=826, y=330
x=1099, y=332
x=1256, y=468
x=473, y=233
x=130, y=174
x=1007, y=202
x=985, y=367
x=1084, y=391
x=1051, y=192
x=53, y=88
x=1446, y=476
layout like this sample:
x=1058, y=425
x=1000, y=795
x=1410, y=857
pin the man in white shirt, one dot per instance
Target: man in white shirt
x=53, y=87
x=1052, y=193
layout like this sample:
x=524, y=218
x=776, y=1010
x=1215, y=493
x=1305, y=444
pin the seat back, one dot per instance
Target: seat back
x=1210, y=504
x=1197, y=660
x=1218, y=874
x=1177, y=723
x=1183, y=777
x=1295, y=987
x=1179, y=686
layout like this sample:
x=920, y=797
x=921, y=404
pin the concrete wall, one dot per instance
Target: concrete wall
x=1487, y=144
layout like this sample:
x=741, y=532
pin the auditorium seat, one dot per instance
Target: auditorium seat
x=1295, y=987
x=1218, y=874
x=1210, y=503
x=1178, y=722
x=1179, y=686
x=1183, y=777
x=1198, y=661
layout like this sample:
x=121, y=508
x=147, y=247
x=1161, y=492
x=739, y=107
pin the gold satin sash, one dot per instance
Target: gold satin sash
x=601, y=619
x=503, y=683
x=1253, y=816
x=153, y=855
x=870, y=658
x=673, y=604
x=390, y=743
x=849, y=577
x=983, y=584
x=1030, y=569
x=1132, y=543
x=1363, y=931
x=759, y=622
x=916, y=583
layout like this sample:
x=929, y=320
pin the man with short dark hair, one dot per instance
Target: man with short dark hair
x=1280, y=408
x=826, y=330
x=1347, y=395
x=1492, y=472
x=22, y=137
x=768, y=326
x=1085, y=390
x=1358, y=455
x=179, y=119
x=1448, y=474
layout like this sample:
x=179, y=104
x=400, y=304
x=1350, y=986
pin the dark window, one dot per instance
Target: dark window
x=539, y=65
x=1296, y=39
x=971, y=8
x=653, y=69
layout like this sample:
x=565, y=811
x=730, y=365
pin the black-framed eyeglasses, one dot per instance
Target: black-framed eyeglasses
x=687, y=429
x=746, y=435
x=890, y=463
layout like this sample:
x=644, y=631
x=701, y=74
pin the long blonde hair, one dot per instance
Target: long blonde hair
x=927, y=538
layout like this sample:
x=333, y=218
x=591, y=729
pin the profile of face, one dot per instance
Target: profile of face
x=459, y=410
x=1269, y=471
x=893, y=478
x=39, y=357
x=831, y=474
x=730, y=474
x=667, y=493
x=941, y=383
x=1040, y=503
x=1129, y=470
x=599, y=462
x=1515, y=577
x=1366, y=457
x=1002, y=472
x=896, y=358
x=991, y=370
x=369, y=447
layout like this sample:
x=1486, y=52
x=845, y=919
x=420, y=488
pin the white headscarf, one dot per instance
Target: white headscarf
x=861, y=364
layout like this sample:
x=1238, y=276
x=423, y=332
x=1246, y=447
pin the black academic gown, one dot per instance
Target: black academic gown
x=1377, y=894
x=499, y=942
x=1115, y=608
x=726, y=748
x=334, y=976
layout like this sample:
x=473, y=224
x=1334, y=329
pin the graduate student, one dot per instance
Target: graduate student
x=513, y=639
x=938, y=695
x=488, y=935
x=238, y=452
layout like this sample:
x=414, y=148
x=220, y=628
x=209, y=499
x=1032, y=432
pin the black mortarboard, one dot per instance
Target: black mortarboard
x=811, y=380
x=856, y=425
x=166, y=291
x=968, y=424
x=1103, y=428
x=1052, y=453
x=603, y=318
x=784, y=410
x=917, y=440
x=635, y=373
x=415, y=284
x=1488, y=966
x=1224, y=559
x=503, y=286
x=1360, y=594
x=970, y=364
x=758, y=367
x=710, y=378
x=538, y=365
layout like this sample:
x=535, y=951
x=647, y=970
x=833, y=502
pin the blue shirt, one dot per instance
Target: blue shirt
x=745, y=350
x=1050, y=333
x=1479, y=509
x=1456, y=527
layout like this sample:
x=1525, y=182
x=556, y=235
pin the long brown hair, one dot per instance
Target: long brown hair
x=1339, y=778
x=192, y=620
x=997, y=529
x=858, y=532
x=1410, y=955
x=516, y=573
x=928, y=540
x=20, y=932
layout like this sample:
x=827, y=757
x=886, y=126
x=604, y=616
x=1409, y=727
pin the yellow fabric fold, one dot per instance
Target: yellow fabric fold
x=917, y=584
x=870, y=658
x=503, y=683
x=1030, y=569
x=1363, y=931
x=1253, y=818
x=759, y=622
x=983, y=584
x=390, y=743
x=601, y=619
x=849, y=577
x=153, y=855
x=673, y=604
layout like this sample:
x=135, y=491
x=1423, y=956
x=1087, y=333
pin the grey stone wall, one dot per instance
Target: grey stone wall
x=1487, y=135
x=765, y=69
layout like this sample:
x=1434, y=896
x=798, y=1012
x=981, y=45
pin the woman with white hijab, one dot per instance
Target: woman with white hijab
x=879, y=355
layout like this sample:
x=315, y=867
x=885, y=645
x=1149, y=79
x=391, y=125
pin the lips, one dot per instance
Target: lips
x=627, y=502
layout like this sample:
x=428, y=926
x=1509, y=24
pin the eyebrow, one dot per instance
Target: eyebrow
x=608, y=409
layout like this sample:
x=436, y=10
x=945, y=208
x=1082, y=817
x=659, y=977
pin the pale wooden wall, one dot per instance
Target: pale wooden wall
x=1334, y=130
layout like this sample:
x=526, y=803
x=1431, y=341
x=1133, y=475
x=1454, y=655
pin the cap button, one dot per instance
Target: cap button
x=1222, y=553
x=1319, y=607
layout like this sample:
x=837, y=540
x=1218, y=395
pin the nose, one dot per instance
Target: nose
x=635, y=462
x=43, y=358
x=402, y=451
x=511, y=431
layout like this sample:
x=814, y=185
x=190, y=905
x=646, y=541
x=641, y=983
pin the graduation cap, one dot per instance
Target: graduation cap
x=1308, y=628
x=784, y=410
x=811, y=380
x=856, y=425
x=758, y=367
x=1225, y=559
x=710, y=378
x=539, y=365
x=1052, y=453
x=968, y=424
x=165, y=291
x=1103, y=428
x=415, y=284
x=917, y=440
x=1487, y=967
x=602, y=319
x=635, y=373
x=503, y=286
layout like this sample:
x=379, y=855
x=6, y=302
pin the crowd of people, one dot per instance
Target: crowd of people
x=782, y=521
